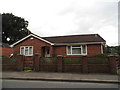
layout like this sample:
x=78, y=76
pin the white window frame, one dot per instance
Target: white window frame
x=72, y=46
x=102, y=49
x=28, y=50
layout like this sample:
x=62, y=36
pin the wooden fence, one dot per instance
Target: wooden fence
x=68, y=64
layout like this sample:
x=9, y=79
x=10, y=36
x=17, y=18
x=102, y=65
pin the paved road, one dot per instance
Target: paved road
x=53, y=84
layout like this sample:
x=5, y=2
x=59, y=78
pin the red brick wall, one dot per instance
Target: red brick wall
x=61, y=50
x=6, y=51
x=58, y=50
x=36, y=43
x=93, y=49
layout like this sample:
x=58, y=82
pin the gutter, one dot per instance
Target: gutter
x=56, y=44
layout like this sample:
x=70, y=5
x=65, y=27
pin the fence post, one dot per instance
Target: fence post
x=84, y=64
x=60, y=63
x=112, y=64
x=36, y=62
x=20, y=62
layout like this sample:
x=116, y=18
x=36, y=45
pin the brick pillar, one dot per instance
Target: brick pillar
x=20, y=62
x=60, y=63
x=84, y=64
x=112, y=64
x=36, y=62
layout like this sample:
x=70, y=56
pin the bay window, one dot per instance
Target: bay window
x=76, y=50
x=26, y=50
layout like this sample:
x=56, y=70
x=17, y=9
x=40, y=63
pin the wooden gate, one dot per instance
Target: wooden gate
x=118, y=62
x=28, y=63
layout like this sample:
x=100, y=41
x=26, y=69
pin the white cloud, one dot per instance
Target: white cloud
x=63, y=17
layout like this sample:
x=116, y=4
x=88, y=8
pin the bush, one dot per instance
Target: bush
x=100, y=55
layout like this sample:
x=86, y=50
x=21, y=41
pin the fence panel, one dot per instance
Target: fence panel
x=98, y=60
x=7, y=60
x=118, y=62
x=72, y=64
x=98, y=65
x=72, y=60
x=8, y=63
x=48, y=64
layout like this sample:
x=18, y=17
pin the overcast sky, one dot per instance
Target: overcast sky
x=68, y=17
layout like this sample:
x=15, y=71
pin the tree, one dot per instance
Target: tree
x=112, y=50
x=107, y=50
x=118, y=50
x=13, y=28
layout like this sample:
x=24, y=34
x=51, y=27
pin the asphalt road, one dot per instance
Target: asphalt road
x=53, y=84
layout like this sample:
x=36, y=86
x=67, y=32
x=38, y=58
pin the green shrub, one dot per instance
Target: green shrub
x=100, y=55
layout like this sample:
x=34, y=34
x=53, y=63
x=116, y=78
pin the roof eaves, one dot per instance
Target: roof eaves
x=79, y=43
x=28, y=37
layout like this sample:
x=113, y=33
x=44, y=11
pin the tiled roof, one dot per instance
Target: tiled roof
x=69, y=39
x=85, y=38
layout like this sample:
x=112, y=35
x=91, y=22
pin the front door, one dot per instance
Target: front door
x=47, y=52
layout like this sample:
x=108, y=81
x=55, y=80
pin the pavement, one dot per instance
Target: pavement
x=56, y=76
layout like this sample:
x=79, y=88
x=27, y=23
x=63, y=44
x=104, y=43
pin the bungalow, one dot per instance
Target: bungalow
x=67, y=46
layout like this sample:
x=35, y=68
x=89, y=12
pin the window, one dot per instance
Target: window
x=84, y=49
x=22, y=51
x=76, y=50
x=26, y=50
x=69, y=50
x=30, y=50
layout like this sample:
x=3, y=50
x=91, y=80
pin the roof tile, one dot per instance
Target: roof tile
x=75, y=38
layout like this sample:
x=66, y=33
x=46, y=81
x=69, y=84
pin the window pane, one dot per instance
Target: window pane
x=76, y=50
x=30, y=51
x=69, y=50
x=26, y=50
x=84, y=49
x=22, y=51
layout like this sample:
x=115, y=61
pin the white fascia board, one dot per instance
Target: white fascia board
x=43, y=40
x=28, y=37
x=79, y=43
